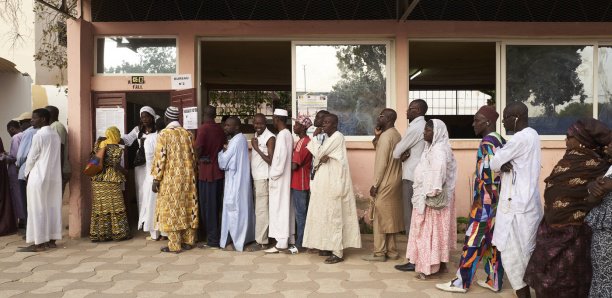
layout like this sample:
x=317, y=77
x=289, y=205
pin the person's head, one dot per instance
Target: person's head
x=428, y=133
x=40, y=118
x=209, y=113
x=159, y=124
x=147, y=116
x=416, y=108
x=224, y=118
x=330, y=124
x=280, y=119
x=515, y=116
x=302, y=123
x=318, y=122
x=171, y=114
x=113, y=136
x=231, y=126
x=54, y=113
x=24, y=120
x=484, y=120
x=13, y=127
x=259, y=123
x=588, y=133
x=386, y=118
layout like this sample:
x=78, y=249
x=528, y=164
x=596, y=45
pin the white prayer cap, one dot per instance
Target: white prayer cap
x=280, y=112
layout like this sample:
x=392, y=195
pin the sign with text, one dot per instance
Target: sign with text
x=136, y=82
x=190, y=118
x=182, y=81
x=107, y=117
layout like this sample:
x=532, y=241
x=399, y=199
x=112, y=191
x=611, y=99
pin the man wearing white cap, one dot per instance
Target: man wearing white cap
x=282, y=213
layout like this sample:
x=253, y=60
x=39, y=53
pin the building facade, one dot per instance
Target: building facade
x=351, y=57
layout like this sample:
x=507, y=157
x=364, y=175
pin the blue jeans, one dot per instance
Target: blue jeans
x=300, y=201
x=210, y=201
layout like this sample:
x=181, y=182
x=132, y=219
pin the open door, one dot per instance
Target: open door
x=103, y=115
x=183, y=99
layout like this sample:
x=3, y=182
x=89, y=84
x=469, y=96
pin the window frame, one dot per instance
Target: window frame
x=95, y=56
x=389, y=71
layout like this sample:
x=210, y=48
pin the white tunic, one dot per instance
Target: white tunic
x=519, y=199
x=259, y=167
x=146, y=218
x=332, y=222
x=43, y=168
x=282, y=214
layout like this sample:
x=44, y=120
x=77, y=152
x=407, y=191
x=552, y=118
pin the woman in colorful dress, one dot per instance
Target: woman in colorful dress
x=600, y=221
x=433, y=231
x=108, y=216
x=477, y=245
x=560, y=265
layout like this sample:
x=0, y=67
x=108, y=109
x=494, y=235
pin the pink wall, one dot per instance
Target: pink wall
x=82, y=82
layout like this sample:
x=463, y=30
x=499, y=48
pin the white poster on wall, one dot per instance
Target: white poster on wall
x=190, y=118
x=181, y=81
x=308, y=104
x=107, y=117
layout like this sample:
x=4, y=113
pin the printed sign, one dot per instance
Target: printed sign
x=190, y=118
x=107, y=117
x=181, y=82
x=136, y=82
x=308, y=104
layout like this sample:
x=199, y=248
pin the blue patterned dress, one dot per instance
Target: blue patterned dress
x=600, y=220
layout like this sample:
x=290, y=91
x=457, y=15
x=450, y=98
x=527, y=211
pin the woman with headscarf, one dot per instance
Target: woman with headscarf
x=108, y=216
x=140, y=133
x=146, y=218
x=433, y=231
x=600, y=221
x=560, y=265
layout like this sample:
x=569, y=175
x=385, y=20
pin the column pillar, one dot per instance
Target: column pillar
x=401, y=81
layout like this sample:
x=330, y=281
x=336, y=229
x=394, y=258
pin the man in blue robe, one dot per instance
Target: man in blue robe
x=238, y=217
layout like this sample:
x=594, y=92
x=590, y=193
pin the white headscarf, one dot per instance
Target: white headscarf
x=437, y=168
x=149, y=110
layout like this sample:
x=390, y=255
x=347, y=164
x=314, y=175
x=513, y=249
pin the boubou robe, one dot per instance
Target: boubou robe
x=282, y=213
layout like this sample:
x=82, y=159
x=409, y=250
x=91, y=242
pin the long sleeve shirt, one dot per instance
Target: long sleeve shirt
x=24, y=149
x=413, y=140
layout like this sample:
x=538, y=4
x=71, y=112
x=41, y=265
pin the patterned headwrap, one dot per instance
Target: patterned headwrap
x=113, y=136
x=590, y=132
x=172, y=113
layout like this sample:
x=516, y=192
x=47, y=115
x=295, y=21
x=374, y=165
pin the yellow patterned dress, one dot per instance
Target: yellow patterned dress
x=108, y=216
x=176, y=211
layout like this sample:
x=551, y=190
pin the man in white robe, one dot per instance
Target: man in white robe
x=332, y=222
x=281, y=210
x=238, y=218
x=519, y=210
x=43, y=172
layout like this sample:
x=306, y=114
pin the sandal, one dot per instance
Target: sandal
x=51, y=244
x=149, y=238
x=167, y=249
x=203, y=245
x=256, y=247
x=186, y=246
x=333, y=259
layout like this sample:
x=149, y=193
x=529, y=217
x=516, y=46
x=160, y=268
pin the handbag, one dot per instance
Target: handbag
x=140, y=159
x=95, y=164
x=437, y=202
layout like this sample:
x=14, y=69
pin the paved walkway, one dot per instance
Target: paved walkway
x=136, y=268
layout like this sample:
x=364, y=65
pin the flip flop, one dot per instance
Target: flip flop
x=167, y=249
x=333, y=259
x=31, y=248
x=186, y=246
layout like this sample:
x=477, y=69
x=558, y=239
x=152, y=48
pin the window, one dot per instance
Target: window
x=452, y=102
x=604, y=85
x=554, y=81
x=349, y=80
x=135, y=55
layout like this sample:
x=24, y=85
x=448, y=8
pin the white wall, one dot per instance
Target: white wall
x=15, y=94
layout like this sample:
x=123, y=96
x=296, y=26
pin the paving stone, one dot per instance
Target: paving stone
x=262, y=286
x=10, y=293
x=223, y=294
x=192, y=287
x=123, y=287
x=79, y=293
x=309, y=285
x=329, y=285
x=40, y=276
x=296, y=293
x=26, y=266
x=135, y=276
x=103, y=276
x=86, y=267
x=216, y=286
x=166, y=277
x=147, y=267
x=18, y=257
x=54, y=286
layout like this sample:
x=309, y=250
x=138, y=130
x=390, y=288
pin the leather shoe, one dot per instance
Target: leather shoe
x=325, y=253
x=406, y=267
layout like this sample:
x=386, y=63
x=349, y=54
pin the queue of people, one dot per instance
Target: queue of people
x=300, y=194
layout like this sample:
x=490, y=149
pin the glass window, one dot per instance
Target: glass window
x=554, y=81
x=604, y=91
x=349, y=80
x=135, y=55
x=452, y=102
